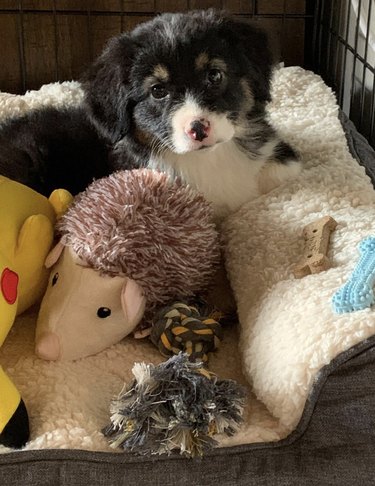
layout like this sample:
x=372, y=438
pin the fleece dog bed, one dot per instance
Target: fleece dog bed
x=289, y=328
x=295, y=352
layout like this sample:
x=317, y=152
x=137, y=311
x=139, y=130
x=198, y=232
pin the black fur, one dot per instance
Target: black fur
x=120, y=123
x=119, y=105
x=52, y=148
x=284, y=152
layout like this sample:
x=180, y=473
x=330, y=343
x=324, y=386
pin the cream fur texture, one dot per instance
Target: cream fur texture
x=64, y=94
x=288, y=329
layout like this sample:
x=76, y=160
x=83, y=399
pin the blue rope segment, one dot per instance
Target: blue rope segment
x=357, y=294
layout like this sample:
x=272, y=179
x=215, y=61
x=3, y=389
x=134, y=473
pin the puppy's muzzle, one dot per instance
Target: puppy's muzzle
x=198, y=130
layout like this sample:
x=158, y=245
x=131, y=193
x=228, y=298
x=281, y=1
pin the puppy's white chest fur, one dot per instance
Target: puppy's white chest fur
x=224, y=174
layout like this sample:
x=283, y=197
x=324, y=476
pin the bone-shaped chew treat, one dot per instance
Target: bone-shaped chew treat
x=317, y=235
x=358, y=294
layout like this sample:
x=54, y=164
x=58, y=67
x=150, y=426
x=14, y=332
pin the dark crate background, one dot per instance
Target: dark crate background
x=343, y=53
x=55, y=40
x=51, y=40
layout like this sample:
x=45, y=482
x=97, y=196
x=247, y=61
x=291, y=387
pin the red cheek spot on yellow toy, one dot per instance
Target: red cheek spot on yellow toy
x=8, y=285
x=26, y=227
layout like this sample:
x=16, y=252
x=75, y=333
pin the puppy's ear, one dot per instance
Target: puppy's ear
x=107, y=90
x=252, y=45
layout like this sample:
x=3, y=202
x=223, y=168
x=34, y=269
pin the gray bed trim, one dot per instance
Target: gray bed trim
x=358, y=146
x=284, y=462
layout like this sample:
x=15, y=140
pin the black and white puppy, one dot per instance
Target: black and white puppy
x=184, y=93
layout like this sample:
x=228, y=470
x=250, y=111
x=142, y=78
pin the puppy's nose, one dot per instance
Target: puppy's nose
x=198, y=129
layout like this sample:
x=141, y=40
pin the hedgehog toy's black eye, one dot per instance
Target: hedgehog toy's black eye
x=103, y=312
x=214, y=76
x=159, y=91
x=55, y=279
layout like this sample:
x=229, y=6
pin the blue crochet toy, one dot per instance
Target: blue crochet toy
x=357, y=294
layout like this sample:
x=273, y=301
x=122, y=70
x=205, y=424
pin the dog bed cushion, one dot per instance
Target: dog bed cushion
x=288, y=329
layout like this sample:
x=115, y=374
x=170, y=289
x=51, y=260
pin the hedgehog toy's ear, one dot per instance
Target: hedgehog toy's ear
x=133, y=302
x=54, y=255
x=107, y=90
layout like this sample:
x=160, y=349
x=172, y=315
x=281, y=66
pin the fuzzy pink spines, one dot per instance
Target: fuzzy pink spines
x=143, y=225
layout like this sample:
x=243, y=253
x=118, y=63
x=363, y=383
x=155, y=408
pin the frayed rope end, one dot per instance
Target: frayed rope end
x=176, y=405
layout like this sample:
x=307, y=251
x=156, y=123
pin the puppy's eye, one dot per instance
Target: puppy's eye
x=214, y=76
x=159, y=91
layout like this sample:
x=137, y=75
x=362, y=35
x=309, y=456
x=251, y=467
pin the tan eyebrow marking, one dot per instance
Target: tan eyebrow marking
x=161, y=72
x=217, y=63
x=201, y=61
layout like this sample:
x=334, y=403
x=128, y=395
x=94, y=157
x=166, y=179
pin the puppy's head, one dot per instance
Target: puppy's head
x=180, y=82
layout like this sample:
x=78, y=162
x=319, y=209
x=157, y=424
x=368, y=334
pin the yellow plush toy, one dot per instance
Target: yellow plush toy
x=26, y=234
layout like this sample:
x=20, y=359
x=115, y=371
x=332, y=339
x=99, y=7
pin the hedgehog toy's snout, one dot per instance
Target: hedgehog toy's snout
x=48, y=346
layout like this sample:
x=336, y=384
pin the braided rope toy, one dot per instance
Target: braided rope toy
x=178, y=404
x=357, y=294
x=180, y=327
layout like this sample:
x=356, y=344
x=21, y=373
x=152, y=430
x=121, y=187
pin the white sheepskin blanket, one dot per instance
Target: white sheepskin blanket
x=288, y=330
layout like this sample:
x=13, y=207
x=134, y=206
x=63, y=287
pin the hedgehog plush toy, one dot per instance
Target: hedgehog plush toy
x=130, y=243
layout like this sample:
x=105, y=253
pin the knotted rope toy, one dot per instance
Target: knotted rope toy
x=180, y=327
x=179, y=404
